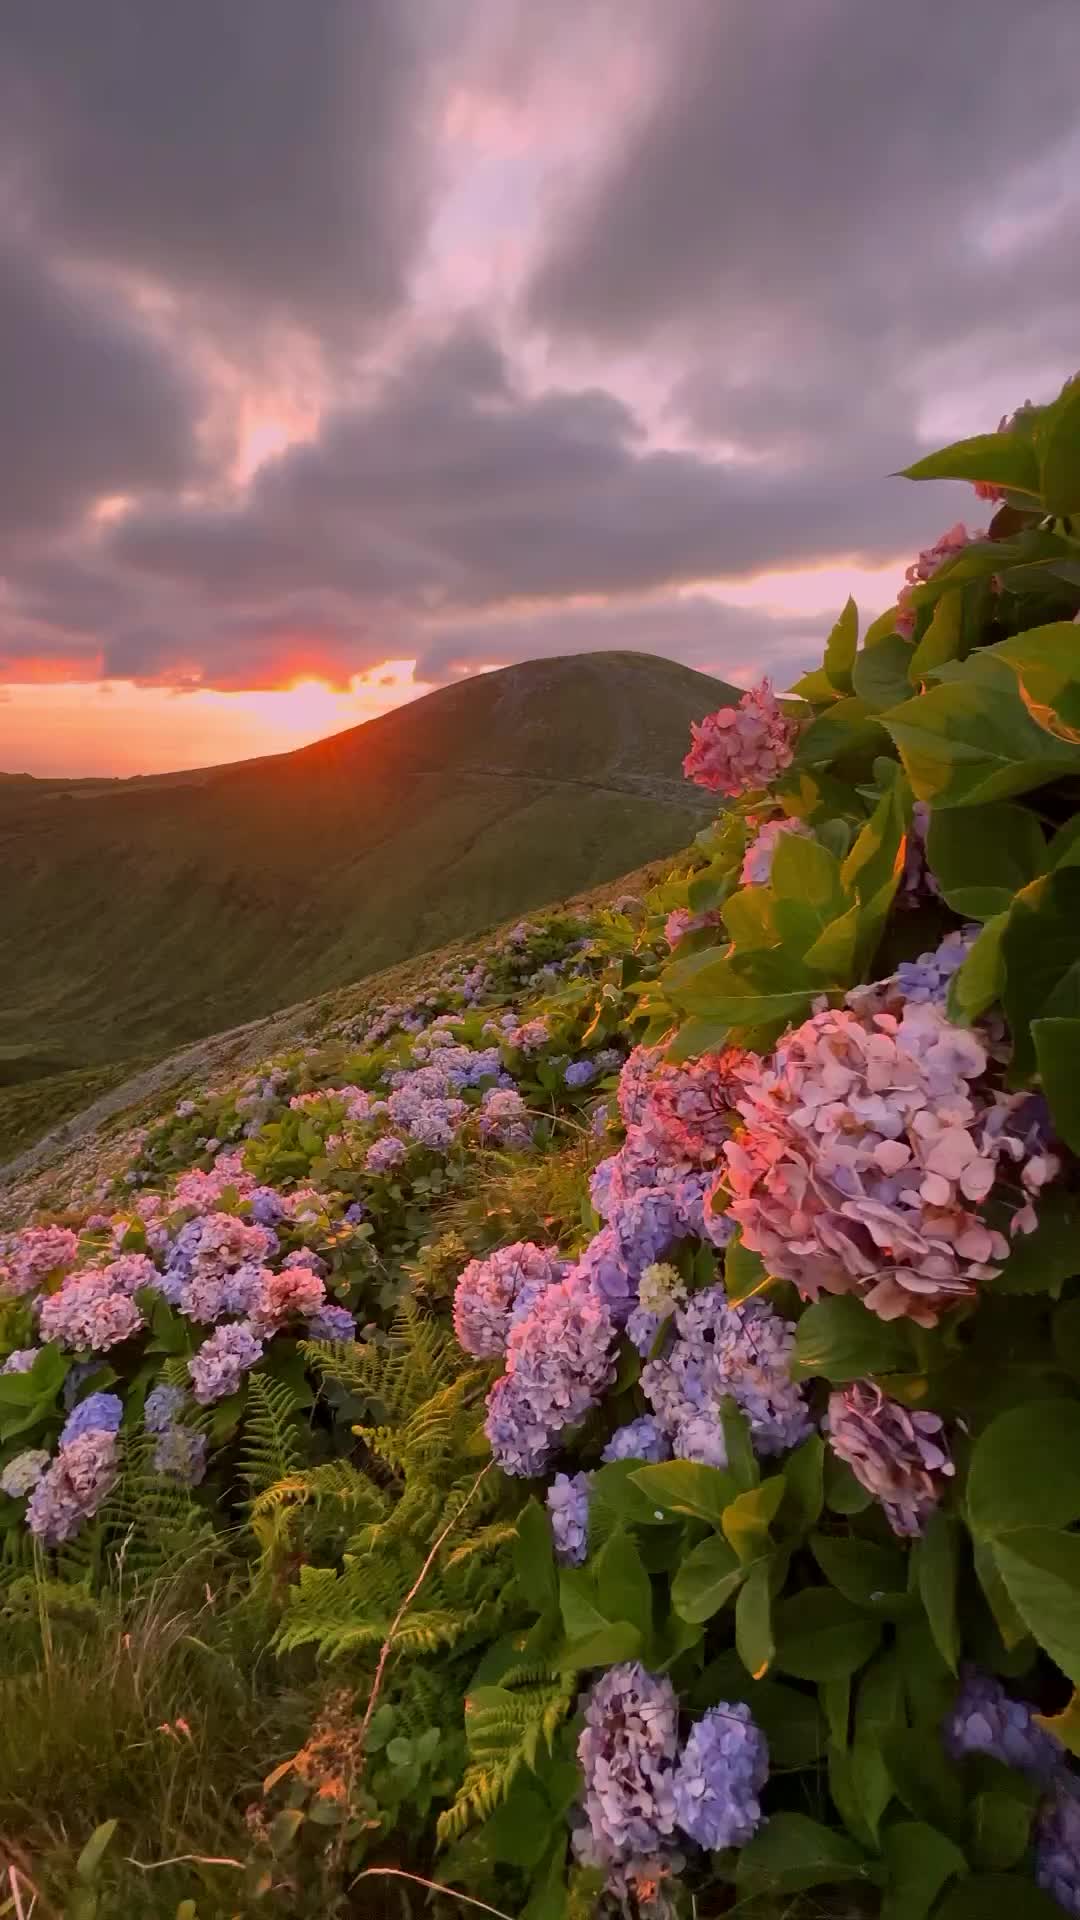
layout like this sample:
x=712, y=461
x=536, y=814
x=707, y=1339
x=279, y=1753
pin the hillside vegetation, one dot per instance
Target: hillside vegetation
x=590, y=1430
x=139, y=915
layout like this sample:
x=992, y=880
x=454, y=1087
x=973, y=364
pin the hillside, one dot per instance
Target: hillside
x=140, y=915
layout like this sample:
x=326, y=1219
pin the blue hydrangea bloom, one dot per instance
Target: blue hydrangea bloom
x=1057, y=1845
x=579, y=1073
x=984, y=1719
x=642, y=1439
x=721, y=1772
x=163, y=1407
x=568, y=1506
x=98, y=1413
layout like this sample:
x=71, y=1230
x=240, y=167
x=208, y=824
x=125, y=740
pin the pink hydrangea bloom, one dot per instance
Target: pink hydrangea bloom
x=81, y=1477
x=92, y=1309
x=924, y=568
x=494, y=1293
x=758, y=858
x=29, y=1257
x=741, y=749
x=898, y=1455
x=292, y=1294
x=681, y=921
x=872, y=1139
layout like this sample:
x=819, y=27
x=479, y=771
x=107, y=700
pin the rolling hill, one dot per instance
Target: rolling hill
x=140, y=915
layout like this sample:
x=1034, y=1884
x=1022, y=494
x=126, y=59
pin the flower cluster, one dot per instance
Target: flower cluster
x=900, y=1457
x=29, y=1258
x=741, y=749
x=721, y=1771
x=74, y=1486
x=984, y=1719
x=568, y=1509
x=871, y=1143
x=559, y=1360
x=758, y=858
x=493, y=1294
x=94, y=1307
x=925, y=567
x=220, y=1364
x=723, y=1352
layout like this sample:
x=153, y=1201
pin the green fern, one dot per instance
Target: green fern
x=507, y=1727
x=272, y=1450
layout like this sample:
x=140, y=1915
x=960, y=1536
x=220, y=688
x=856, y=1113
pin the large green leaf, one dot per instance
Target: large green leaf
x=979, y=981
x=841, y=1339
x=753, y=1621
x=1025, y=1469
x=791, y=1852
x=1042, y=1261
x=1060, y=450
x=1057, y=1052
x=920, y=1861
x=880, y=675
x=706, y=1580
x=623, y=1588
x=748, y=1518
x=1000, y=459
x=1041, y=1571
x=867, y=1574
x=534, y=1556
x=840, y=648
x=846, y=728
x=822, y=1636
x=981, y=859
x=936, y=1564
x=1040, y=946
x=688, y=1487
x=978, y=735
x=986, y=1896
x=943, y=639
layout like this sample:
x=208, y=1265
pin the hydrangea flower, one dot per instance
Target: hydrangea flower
x=293, y=1294
x=385, y=1153
x=530, y=1036
x=743, y=1353
x=758, y=858
x=871, y=1139
x=180, y=1454
x=925, y=567
x=641, y=1439
x=580, y=1073
x=79, y=1480
x=681, y=921
x=22, y=1474
x=568, y=1507
x=721, y=1771
x=627, y=1751
x=494, y=1293
x=89, y=1311
x=1057, y=1844
x=333, y=1323
x=985, y=1719
x=98, y=1413
x=559, y=1360
x=221, y=1362
x=163, y=1407
x=21, y=1360
x=30, y=1257
x=899, y=1456
x=741, y=749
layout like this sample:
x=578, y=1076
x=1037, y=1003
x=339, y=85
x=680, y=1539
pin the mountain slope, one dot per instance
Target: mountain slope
x=140, y=915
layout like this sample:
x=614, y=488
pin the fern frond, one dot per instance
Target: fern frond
x=505, y=1727
x=272, y=1450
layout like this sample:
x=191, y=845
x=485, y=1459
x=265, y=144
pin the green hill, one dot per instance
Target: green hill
x=142, y=914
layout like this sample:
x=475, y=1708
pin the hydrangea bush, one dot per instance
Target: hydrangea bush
x=768, y=1598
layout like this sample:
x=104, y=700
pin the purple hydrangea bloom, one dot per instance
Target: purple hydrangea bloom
x=627, y=1752
x=743, y=1353
x=641, y=1439
x=580, y=1073
x=560, y=1359
x=21, y=1360
x=222, y=1361
x=568, y=1507
x=898, y=1455
x=985, y=1719
x=163, y=1407
x=180, y=1454
x=1057, y=1845
x=332, y=1323
x=267, y=1207
x=80, y=1478
x=22, y=1474
x=98, y=1413
x=493, y=1294
x=355, y=1213
x=384, y=1153
x=721, y=1771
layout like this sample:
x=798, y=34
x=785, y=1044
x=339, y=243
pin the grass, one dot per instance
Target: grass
x=140, y=916
x=32, y=1107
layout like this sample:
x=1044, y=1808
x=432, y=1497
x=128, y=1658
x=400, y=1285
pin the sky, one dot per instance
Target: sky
x=350, y=347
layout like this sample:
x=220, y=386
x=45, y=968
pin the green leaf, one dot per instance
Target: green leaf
x=1025, y=1469
x=706, y=1580
x=924, y=1778
x=1057, y=1052
x=1059, y=474
x=936, y=1563
x=1040, y=1262
x=942, y=640
x=684, y=1486
x=1000, y=1827
x=746, y=1521
x=577, y=1599
x=982, y=859
x=1040, y=947
x=846, y=728
x=980, y=979
x=615, y=1640
x=1001, y=459
x=977, y=736
x=1010, y=1627
x=791, y=1853
x=753, y=1621
x=920, y=1861
x=534, y=1556
x=90, y=1858
x=881, y=674
x=840, y=648
x=843, y=1493
x=841, y=1339
x=804, y=1476
x=864, y=1572
x=744, y=1272
x=815, y=687
x=1041, y=1571
x=822, y=1636
x=739, y=1444
x=985, y=1896
x=623, y=1588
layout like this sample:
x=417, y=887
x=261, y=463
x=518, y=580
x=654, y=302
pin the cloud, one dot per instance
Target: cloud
x=90, y=404
x=269, y=158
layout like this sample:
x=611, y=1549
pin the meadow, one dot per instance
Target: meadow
x=592, y=1426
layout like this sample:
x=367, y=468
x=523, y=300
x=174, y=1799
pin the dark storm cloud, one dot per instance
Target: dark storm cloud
x=266, y=154
x=90, y=405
